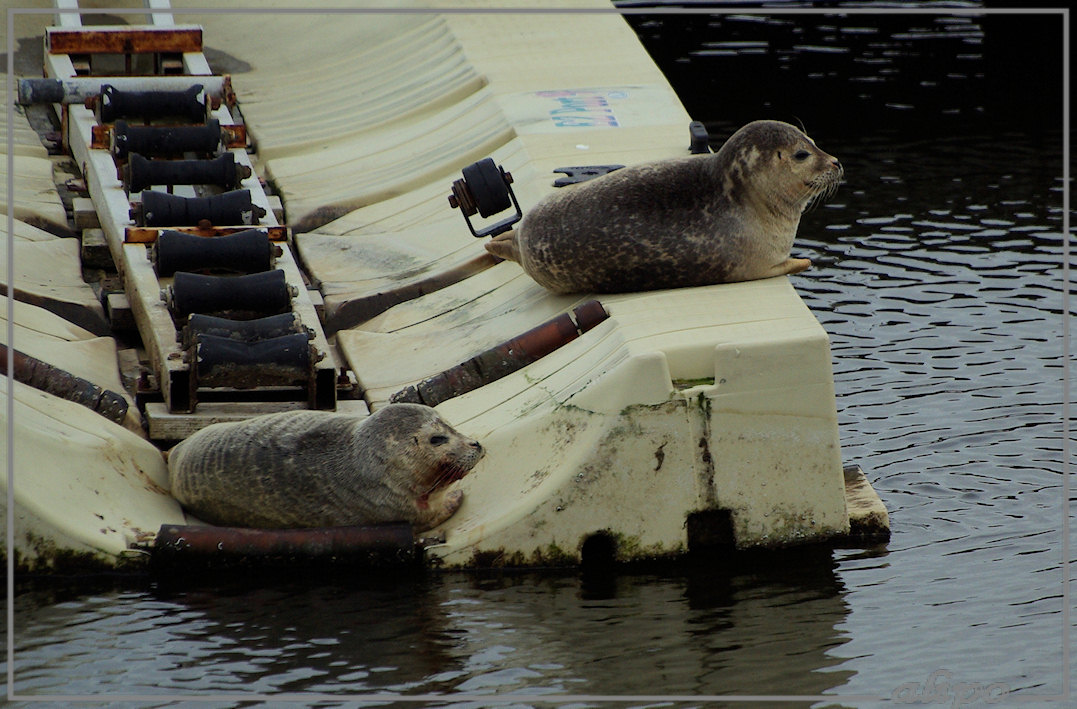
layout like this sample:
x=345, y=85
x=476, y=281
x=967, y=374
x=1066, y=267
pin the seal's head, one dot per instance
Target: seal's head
x=775, y=165
x=424, y=443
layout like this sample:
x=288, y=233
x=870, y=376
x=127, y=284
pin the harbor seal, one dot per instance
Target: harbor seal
x=689, y=221
x=323, y=469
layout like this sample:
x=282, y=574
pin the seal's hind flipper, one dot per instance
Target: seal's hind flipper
x=788, y=267
x=504, y=246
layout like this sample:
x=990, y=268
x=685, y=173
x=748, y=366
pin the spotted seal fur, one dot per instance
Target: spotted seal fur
x=323, y=469
x=690, y=221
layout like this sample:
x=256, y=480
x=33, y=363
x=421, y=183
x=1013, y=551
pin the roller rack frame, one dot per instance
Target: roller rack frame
x=178, y=56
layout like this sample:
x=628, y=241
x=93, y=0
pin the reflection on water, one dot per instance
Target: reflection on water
x=938, y=275
x=697, y=629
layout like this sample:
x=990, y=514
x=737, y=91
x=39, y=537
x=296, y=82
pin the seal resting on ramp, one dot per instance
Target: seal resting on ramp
x=690, y=221
x=323, y=469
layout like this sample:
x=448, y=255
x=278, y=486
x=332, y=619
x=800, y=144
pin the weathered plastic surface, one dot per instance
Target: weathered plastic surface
x=715, y=398
x=36, y=200
x=85, y=488
x=683, y=401
x=673, y=406
x=48, y=274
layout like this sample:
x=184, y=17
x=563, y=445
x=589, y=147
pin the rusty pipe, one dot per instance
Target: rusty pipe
x=58, y=382
x=505, y=358
x=79, y=89
x=386, y=544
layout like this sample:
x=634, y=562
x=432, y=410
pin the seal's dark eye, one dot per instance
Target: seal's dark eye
x=801, y=155
x=438, y=440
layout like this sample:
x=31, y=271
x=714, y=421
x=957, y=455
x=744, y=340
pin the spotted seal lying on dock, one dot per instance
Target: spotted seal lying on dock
x=691, y=221
x=323, y=469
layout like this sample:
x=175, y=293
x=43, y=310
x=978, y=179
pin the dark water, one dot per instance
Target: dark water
x=938, y=273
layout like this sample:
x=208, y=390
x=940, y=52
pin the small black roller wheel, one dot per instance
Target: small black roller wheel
x=487, y=185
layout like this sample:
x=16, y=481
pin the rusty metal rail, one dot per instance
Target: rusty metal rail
x=59, y=382
x=505, y=358
x=178, y=547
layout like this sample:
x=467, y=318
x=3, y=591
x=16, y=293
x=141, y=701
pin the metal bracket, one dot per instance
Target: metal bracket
x=485, y=189
x=582, y=173
x=701, y=140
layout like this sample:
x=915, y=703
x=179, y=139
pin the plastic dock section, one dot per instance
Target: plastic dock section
x=628, y=426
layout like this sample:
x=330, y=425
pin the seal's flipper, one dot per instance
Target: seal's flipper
x=788, y=267
x=504, y=246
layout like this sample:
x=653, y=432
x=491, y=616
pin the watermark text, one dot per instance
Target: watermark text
x=939, y=688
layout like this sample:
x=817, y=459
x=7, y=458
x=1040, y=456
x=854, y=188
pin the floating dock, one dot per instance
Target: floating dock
x=628, y=426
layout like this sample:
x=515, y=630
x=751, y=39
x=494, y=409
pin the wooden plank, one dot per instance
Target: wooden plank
x=68, y=19
x=868, y=518
x=119, y=313
x=95, y=252
x=124, y=39
x=276, y=207
x=325, y=370
x=155, y=324
x=166, y=426
x=130, y=367
x=85, y=216
x=159, y=17
x=106, y=190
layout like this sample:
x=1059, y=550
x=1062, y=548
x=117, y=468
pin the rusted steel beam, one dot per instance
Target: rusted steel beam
x=505, y=358
x=231, y=547
x=58, y=382
x=124, y=39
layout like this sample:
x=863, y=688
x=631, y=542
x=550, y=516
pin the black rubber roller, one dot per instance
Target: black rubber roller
x=247, y=251
x=265, y=328
x=223, y=362
x=189, y=105
x=163, y=209
x=165, y=141
x=239, y=297
x=222, y=171
x=487, y=184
